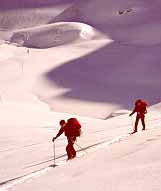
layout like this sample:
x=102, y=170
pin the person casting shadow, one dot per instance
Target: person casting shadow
x=140, y=109
x=71, y=129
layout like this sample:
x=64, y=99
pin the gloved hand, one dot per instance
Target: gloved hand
x=53, y=139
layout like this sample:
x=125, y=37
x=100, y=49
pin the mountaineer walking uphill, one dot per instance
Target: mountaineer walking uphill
x=140, y=109
x=72, y=130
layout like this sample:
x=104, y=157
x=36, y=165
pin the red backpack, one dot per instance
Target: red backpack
x=140, y=106
x=72, y=128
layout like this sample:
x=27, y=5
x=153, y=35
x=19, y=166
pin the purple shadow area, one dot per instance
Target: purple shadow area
x=115, y=74
x=15, y=4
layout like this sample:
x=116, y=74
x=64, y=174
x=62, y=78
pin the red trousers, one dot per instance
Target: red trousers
x=70, y=147
x=138, y=117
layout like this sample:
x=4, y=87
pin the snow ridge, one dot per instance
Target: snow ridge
x=40, y=172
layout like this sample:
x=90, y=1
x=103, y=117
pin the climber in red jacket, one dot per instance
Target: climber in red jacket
x=140, y=109
x=72, y=130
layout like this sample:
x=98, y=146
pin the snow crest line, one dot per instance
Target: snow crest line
x=23, y=179
x=116, y=139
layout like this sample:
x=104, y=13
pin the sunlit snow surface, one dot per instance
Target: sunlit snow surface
x=88, y=59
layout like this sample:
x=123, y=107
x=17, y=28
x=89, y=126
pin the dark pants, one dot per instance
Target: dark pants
x=70, y=148
x=138, y=117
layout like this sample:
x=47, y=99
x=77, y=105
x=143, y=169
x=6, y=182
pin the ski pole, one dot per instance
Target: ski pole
x=132, y=122
x=54, y=151
x=81, y=148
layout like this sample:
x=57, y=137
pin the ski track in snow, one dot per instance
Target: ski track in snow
x=40, y=172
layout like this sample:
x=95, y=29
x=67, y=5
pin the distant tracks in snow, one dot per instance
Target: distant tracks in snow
x=6, y=185
x=10, y=183
x=22, y=147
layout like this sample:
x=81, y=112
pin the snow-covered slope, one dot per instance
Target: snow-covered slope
x=28, y=13
x=110, y=55
x=52, y=35
x=113, y=159
x=90, y=59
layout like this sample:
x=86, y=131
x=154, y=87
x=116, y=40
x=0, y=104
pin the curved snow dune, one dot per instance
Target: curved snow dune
x=53, y=35
x=131, y=22
x=119, y=72
x=114, y=74
x=108, y=78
